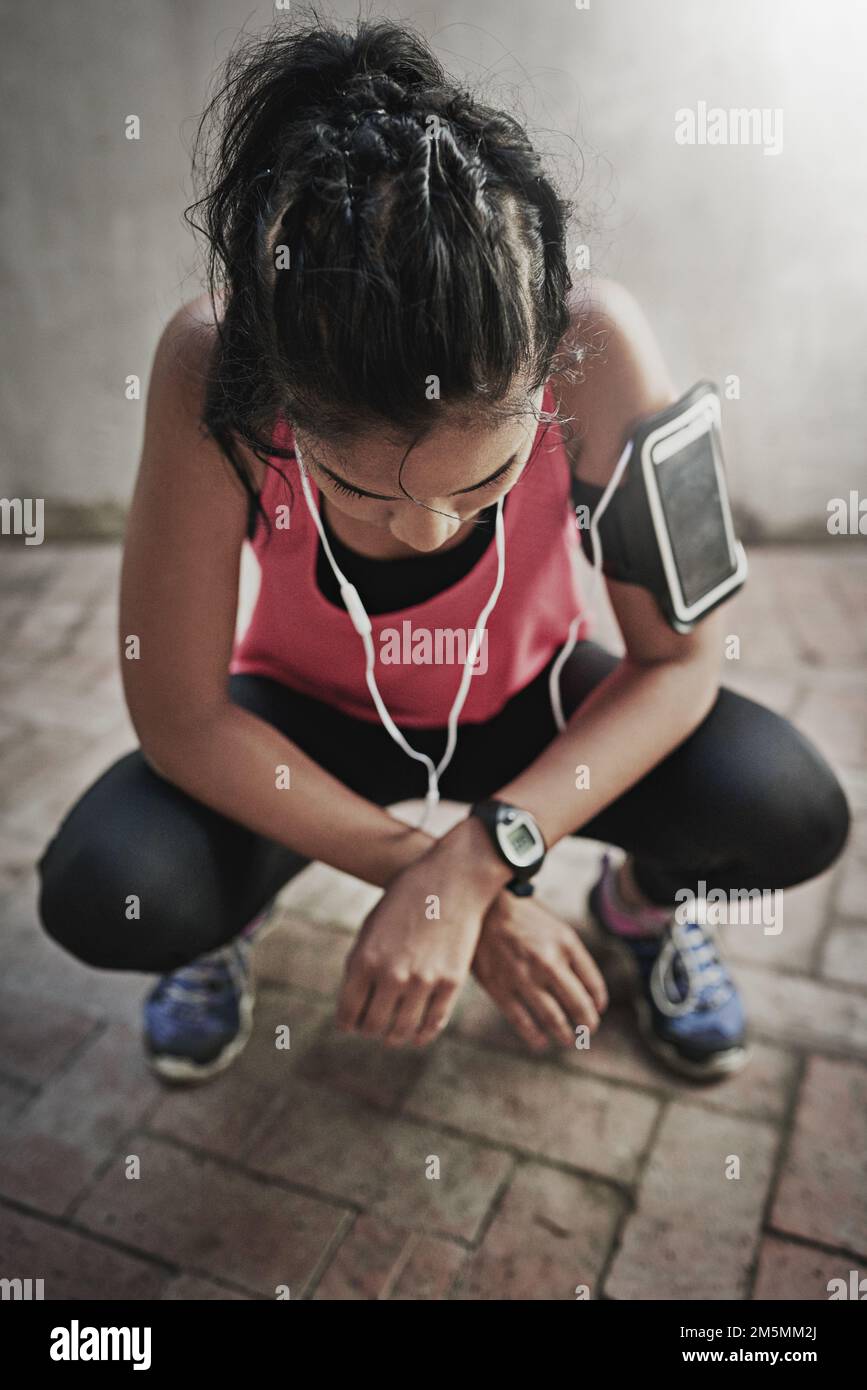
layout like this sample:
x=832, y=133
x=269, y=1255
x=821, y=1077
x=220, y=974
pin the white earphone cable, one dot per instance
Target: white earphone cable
x=593, y=592
x=363, y=626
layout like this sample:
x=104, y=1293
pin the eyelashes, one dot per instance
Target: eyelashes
x=348, y=491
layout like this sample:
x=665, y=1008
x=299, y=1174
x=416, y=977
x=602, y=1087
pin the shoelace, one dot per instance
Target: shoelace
x=197, y=983
x=707, y=981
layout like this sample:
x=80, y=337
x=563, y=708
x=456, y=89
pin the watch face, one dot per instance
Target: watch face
x=520, y=840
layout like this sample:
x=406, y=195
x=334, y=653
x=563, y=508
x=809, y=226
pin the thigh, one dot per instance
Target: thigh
x=141, y=876
x=745, y=797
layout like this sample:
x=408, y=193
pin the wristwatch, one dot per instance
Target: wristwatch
x=517, y=839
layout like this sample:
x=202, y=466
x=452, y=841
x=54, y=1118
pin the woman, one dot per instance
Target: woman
x=382, y=390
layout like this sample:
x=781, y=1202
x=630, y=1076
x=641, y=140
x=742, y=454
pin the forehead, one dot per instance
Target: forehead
x=455, y=453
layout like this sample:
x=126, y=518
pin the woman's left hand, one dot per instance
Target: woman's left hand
x=538, y=972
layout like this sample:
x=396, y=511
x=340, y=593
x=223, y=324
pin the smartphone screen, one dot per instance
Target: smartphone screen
x=689, y=493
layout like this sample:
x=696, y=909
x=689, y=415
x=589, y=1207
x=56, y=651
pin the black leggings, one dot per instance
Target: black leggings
x=744, y=802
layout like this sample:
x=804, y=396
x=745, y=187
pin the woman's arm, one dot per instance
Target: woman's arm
x=179, y=593
x=534, y=966
x=667, y=682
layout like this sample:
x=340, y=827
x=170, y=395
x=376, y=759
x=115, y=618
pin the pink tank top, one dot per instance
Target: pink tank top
x=298, y=637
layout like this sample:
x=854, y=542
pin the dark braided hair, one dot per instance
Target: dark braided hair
x=370, y=228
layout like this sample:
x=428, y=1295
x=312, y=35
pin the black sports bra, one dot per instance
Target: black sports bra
x=386, y=586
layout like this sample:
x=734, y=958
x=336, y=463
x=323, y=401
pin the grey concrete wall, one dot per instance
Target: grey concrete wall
x=748, y=264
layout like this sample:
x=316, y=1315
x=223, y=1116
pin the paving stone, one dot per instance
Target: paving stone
x=37, y=1034
x=815, y=610
x=694, y=1230
x=822, y=1194
x=37, y=816
x=47, y=627
x=34, y=965
x=537, y=1107
x=13, y=1098
x=765, y=641
x=567, y=876
x=225, y=1115
x=804, y=914
x=552, y=1233
x=325, y=895
x=360, y=1066
x=213, y=1220
x=851, y=898
x=804, y=1013
x=53, y=1148
x=762, y=1089
x=295, y=952
x=429, y=1272
x=789, y=1272
x=187, y=1288
x=854, y=782
x=803, y=638
x=844, y=957
x=378, y=1261
x=36, y=767
x=336, y=1145
x=834, y=718
x=74, y=1266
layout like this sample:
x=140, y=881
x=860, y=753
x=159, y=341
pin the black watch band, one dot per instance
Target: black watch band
x=516, y=838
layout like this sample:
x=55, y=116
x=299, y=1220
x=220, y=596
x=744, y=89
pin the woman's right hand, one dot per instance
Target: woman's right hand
x=538, y=972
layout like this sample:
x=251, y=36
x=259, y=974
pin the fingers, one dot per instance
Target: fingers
x=549, y=1013
x=375, y=1020
x=439, y=1008
x=354, y=993
x=573, y=998
x=409, y=1014
x=518, y=1015
x=588, y=973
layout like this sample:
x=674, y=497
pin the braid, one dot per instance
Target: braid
x=424, y=240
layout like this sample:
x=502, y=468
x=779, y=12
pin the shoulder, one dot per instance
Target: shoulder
x=184, y=352
x=615, y=373
x=181, y=366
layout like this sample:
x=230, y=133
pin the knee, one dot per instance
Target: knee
x=826, y=822
x=116, y=906
x=813, y=817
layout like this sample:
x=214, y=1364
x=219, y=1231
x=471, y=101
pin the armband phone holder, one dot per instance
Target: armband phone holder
x=668, y=526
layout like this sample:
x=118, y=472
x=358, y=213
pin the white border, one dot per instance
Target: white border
x=659, y=445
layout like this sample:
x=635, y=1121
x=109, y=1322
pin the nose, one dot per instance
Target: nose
x=422, y=529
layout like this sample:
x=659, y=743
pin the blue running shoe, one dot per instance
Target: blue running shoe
x=199, y=1018
x=686, y=1002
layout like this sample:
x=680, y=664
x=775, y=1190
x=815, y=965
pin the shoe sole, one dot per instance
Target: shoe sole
x=714, y=1068
x=182, y=1069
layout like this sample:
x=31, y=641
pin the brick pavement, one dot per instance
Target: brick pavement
x=314, y=1168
